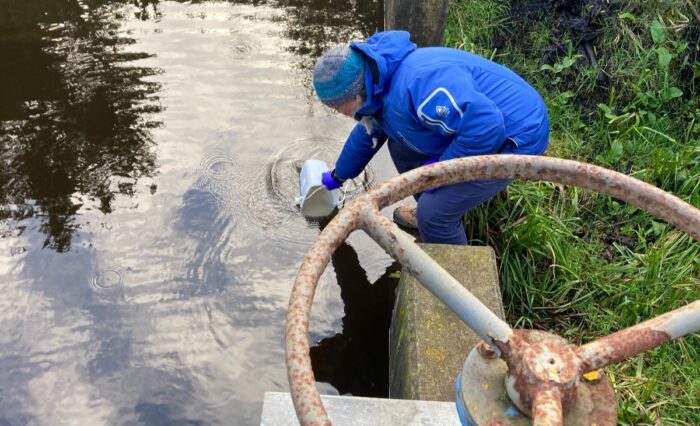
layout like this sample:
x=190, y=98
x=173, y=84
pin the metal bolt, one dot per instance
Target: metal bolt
x=486, y=351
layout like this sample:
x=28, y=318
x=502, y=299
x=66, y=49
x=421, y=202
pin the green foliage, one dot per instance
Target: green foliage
x=473, y=25
x=584, y=264
x=563, y=67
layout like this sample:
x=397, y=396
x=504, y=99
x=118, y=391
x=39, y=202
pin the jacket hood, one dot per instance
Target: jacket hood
x=386, y=49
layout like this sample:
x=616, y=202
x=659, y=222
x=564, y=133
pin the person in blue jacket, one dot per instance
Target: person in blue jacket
x=431, y=104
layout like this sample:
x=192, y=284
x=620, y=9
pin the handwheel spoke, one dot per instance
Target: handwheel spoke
x=547, y=409
x=434, y=277
x=639, y=338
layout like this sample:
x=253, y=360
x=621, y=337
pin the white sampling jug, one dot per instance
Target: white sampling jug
x=315, y=200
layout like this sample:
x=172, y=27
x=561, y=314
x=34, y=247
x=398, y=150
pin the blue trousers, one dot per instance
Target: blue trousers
x=440, y=212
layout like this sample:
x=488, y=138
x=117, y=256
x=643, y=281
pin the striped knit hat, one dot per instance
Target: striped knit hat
x=339, y=75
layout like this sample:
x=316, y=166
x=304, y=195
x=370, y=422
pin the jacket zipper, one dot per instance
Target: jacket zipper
x=410, y=145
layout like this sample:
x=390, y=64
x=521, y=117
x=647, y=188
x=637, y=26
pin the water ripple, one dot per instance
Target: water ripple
x=270, y=196
x=219, y=167
x=107, y=279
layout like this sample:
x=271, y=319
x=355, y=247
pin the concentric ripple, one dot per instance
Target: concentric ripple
x=266, y=194
x=219, y=166
x=270, y=196
x=107, y=279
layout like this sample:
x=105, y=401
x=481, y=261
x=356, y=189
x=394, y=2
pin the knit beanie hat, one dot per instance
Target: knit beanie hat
x=339, y=75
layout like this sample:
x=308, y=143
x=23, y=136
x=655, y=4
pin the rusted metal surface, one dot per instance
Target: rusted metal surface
x=546, y=408
x=540, y=365
x=639, y=338
x=307, y=401
x=433, y=277
x=539, y=384
x=483, y=384
x=596, y=399
x=486, y=351
x=633, y=191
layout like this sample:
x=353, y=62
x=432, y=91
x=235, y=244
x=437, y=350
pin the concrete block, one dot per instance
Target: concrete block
x=428, y=343
x=348, y=410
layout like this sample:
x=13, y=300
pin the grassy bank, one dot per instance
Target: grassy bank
x=621, y=81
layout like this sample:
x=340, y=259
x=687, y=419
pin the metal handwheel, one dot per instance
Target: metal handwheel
x=544, y=371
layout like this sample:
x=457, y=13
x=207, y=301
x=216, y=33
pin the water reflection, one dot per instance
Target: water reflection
x=356, y=361
x=75, y=115
x=146, y=9
x=79, y=134
x=317, y=25
x=161, y=297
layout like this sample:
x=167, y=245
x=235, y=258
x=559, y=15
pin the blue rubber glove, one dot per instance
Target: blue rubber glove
x=329, y=181
x=427, y=163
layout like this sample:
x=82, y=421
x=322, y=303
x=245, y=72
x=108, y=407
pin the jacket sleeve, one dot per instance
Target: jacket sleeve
x=448, y=101
x=359, y=148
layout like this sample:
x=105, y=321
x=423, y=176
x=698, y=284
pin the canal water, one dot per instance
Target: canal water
x=149, y=238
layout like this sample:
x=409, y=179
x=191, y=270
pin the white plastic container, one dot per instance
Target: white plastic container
x=315, y=200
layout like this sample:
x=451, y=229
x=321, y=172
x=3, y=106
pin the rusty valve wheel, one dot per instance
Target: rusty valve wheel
x=532, y=389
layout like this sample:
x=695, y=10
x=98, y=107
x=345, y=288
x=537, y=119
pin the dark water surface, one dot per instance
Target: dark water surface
x=148, y=230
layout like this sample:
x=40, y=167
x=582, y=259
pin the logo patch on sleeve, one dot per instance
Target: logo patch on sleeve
x=440, y=110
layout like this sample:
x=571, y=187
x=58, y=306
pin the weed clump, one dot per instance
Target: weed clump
x=620, y=79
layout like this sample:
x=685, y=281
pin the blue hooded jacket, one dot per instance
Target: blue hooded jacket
x=442, y=103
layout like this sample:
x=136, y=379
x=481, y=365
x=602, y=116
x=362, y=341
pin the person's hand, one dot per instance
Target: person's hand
x=427, y=163
x=329, y=181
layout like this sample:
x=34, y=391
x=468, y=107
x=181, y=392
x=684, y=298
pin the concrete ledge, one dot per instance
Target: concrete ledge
x=428, y=344
x=278, y=410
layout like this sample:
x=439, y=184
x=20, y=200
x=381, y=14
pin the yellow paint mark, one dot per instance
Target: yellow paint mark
x=485, y=386
x=593, y=375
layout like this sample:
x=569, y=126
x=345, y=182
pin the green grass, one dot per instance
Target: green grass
x=580, y=263
x=474, y=25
